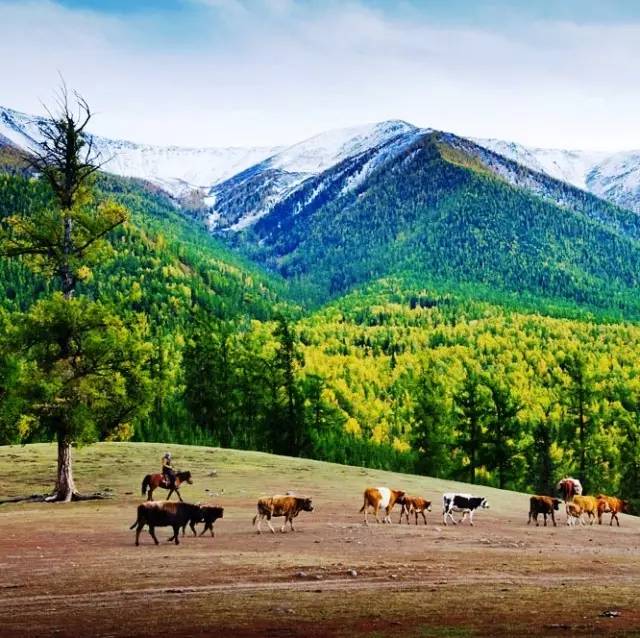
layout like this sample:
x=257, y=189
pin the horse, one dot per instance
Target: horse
x=153, y=481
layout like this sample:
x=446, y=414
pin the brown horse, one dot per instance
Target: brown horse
x=153, y=481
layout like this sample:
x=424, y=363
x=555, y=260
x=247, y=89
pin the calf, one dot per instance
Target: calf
x=544, y=505
x=415, y=505
x=381, y=497
x=574, y=514
x=208, y=515
x=164, y=514
x=588, y=505
x=464, y=503
x=287, y=506
x=611, y=505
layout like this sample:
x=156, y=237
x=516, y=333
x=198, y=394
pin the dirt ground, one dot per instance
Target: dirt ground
x=73, y=570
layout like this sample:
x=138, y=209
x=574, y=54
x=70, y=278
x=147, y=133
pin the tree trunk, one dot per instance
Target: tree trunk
x=65, y=486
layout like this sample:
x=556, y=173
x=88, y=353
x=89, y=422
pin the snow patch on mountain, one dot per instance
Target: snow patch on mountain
x=612, y=176
x=177, y=170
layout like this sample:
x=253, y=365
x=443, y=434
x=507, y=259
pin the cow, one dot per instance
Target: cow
x=544, y=505
x=574, y=514
x=415, y=505
x=287, y=506
x=381, y=497
x=568, y=488
x=611, y=505
x=588, y=505
x=465, y=503
x=208, y=515
x=164, y=514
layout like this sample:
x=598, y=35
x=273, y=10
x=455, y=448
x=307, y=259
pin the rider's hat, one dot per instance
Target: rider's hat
x=167, y=455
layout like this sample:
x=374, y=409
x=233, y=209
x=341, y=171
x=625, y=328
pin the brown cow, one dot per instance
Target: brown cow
x=208, y=515
x=174, y=514
x=544, y=505
x=287, y=506
x=378, y=497
x=415, y=505
x=588, y=505
x=611, y=505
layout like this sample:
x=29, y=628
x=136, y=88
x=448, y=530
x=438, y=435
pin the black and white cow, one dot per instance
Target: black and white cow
x=464, y=503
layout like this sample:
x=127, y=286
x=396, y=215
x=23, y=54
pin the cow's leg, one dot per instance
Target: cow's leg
x=416, y=513
x=545, y=518
x=553, y=519
x=138, y=530
x=375, y=511
x=471, y=518
x=152, y=531
x=424, y=516
x=291, y=523
x=614, y=515
x=529, y=519
x=192, y=525
x=176, y=534
x=273, y=531
x=259, y=517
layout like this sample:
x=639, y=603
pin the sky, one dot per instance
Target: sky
x=547, y=73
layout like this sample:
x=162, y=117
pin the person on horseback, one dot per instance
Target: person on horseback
x=168, y=472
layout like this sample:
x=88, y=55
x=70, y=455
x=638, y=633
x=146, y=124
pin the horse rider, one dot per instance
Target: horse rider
x=168, y=473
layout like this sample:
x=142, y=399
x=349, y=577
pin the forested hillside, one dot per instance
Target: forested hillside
x=447, y=379
x=437, y=213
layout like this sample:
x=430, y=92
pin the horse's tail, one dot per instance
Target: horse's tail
x=145, y=484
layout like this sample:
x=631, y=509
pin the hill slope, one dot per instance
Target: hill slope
x=66, y=568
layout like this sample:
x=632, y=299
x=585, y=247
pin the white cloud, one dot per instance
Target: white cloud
x=269, y=72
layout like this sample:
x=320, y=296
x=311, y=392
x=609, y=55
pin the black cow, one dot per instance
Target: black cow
x=208, y=515
x=165, y=514
x=464, y=503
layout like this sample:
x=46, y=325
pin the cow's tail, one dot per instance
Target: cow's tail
x=145, y=483
x=364, y=505
x=134, y=524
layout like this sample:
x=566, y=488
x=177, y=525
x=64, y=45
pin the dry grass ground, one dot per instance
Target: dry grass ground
x=73, y=570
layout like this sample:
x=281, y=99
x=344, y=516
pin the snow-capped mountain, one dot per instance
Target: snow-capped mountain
x=252, y=194
x=175, y=169
x=612, y=176
x=243, y=185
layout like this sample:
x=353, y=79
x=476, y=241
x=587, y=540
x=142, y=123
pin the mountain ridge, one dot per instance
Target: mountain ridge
x=214, y=172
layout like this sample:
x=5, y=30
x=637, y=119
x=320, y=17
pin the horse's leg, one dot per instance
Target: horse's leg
x=178, y=493
x=150, y=492
x=170, y=493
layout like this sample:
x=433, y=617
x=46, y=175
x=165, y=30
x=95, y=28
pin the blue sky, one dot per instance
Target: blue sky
x=563, y=73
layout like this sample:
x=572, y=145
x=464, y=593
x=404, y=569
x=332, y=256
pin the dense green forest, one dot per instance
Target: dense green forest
x=447, y=379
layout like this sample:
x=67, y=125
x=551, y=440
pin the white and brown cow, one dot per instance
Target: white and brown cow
x=464, y=503
x=287, y=506
x=381, y=497
x=415, y=505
